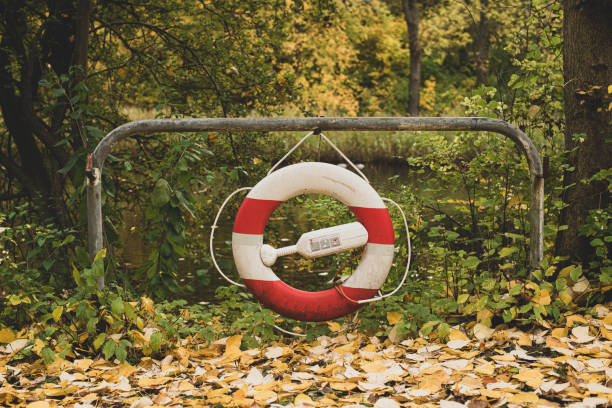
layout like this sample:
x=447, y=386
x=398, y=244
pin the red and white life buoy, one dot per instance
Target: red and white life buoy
x=317, y=178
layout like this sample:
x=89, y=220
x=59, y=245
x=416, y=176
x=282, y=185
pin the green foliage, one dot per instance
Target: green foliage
x=34, y=262
x=598, y=228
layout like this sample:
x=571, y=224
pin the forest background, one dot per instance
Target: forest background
x=70, y=71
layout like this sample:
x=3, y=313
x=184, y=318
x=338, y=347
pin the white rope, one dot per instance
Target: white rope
x=382, y=296
x=328, y=142
x=289, y=152
x=212, y=235
x=346, y=158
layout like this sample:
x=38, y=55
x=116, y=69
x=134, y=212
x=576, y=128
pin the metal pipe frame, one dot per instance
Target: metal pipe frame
x=95, y=162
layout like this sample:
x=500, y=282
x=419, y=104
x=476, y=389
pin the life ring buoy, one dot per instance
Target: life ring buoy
x=317, y=178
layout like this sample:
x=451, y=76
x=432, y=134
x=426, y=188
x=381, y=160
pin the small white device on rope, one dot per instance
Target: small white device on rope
x=374, y=229
x=315, y=244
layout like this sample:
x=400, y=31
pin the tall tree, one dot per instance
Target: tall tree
x=36, y=36
x=411, y=15
x=481, y=42
x=201, y=58
x=587, y=66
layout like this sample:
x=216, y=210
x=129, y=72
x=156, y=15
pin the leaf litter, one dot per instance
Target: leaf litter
x=483, y=367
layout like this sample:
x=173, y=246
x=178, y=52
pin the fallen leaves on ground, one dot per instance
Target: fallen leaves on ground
x=563, y=366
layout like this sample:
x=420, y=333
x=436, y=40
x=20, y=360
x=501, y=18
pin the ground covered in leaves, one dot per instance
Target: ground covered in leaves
x=475, y=367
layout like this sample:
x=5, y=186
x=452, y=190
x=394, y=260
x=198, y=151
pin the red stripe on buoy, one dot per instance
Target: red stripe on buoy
x=306, y=306
x=378, y=223
x=253, y=215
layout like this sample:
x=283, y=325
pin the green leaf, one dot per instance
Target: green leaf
x=597, y=242
x=48, y=355
x=443, y=330
x=69, y=164
x=57, y=92
x=471, y=262
x=451, y=235
x=463, y=298
x=99, y=340
x=428, y=327
x=161, y=193
x=483, y=302
x=109, y=349
x=94, y=132
x=507, y=251
x=121, y=354
x=515, y=290
x=155, y=342
x=100, y=255
x=560, y=284
x=117, y=306
x=575, y=273
x=489, y=284
x=537, y=274
x=76, y=275
x=91, y=325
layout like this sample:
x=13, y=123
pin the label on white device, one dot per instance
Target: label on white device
x=331, y=240
x=318, y=244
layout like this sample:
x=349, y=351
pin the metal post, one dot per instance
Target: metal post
x=96, y=163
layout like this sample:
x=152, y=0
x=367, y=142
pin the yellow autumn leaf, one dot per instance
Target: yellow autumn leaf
x=522, y=398
x=57, y=313
x=524, y=341
x=455, y=334
x=232, y=344
x=217, y=393
x=543, y=298
x=482, y=332
x=232, y=349
x=38, y=404
x=153, y=382
x=343, y=386
x=265, y=397
x=484, y=315
x=606, y=333
x=38, y=346
x=334, y=327
x=486, y=369
x=303, y=400
x=559, y=332
x=393, y=318
x=532, y=377
x=256, y=160
x=6, y=335
x=565, y=296
x=573, y=319
x=148, y=305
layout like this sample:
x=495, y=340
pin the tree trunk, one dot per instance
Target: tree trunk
x=60, y=41
x=482, y=44
x=411, y=15
x=587, y=63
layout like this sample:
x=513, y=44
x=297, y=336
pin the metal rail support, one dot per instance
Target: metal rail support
x=96, y=161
